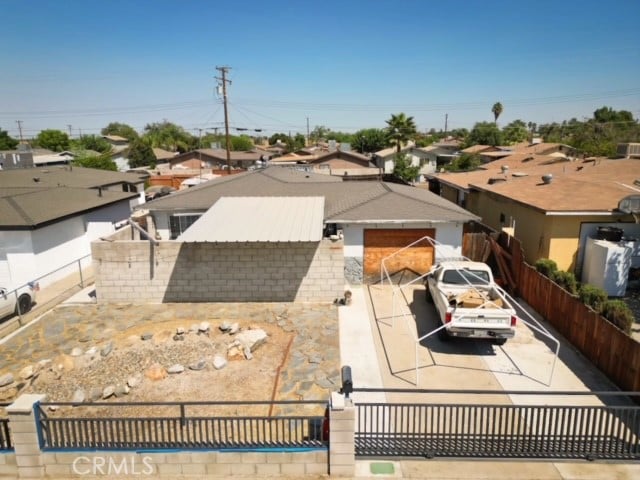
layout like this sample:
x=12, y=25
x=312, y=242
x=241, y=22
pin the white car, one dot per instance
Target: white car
x=17, y=301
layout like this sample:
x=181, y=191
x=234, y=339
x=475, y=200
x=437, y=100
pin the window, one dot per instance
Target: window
x=466, y=277
x=179, y=223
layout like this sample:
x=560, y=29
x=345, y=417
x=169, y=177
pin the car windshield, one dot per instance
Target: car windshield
x=465, y=277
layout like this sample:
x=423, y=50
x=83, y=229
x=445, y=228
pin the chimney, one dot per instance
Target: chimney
x=547, y=179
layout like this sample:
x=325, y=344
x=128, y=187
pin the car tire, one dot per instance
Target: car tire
x=500, y=341
x=23, y=305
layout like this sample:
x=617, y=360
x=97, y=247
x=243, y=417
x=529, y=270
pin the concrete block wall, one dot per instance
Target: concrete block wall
x=183, y=463
x=170, y=271
x=8, y=466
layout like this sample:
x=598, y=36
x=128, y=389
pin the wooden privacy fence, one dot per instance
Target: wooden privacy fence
x=609, y=348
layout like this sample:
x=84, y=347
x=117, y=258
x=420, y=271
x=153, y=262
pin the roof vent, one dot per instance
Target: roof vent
x=504, y=168
x=547, y=179
x=496, y=180
x=36, y=179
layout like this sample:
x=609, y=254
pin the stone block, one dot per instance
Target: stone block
x=279, y=457
x=169, y=469
x=343, y=470
x=268, y=469
x=303, y=457
x=204, y=457
x=243, y=468
x=30, y=472
x=58, y=471
x=8, y=471
x=181, y=457
x=292, y=469
x=228, y=457
x=219, y=469
x=194, y=469
x=316, y=468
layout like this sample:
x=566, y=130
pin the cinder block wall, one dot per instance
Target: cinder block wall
x=172, y=271
x=179, y=464
x=8, y=466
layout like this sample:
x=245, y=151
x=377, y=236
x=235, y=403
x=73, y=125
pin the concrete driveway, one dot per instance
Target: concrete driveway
x=525, y=362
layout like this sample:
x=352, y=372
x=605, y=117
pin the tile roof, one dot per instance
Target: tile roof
x=477, y=148
x=364, y=201
x=579, y=186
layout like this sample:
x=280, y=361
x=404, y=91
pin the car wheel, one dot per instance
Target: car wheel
x=500, y=341
x=23, y=305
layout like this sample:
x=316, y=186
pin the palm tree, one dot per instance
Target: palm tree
x=497, y=110
x=401, y=129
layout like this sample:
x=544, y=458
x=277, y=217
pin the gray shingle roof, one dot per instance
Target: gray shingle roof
x=365, y=201
x=59, y=192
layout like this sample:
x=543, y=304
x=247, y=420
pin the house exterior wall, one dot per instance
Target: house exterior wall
x=557, y=237
x=449, y=234
x=33, y=254
x=224, y=272
x=450, y=193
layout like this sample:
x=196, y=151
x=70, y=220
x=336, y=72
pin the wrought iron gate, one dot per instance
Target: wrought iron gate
x=610, y=430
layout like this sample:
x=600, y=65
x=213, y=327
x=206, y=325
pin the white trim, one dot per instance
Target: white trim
x=583, y=213
x=390, y=222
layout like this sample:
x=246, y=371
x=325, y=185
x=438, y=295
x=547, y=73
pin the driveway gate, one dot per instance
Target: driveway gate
x=607, y=429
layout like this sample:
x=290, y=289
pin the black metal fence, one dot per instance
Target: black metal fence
x=500, y=431
x=5, y=437
x=119, y=426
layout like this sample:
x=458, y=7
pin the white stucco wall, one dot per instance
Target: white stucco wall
x=34, y=254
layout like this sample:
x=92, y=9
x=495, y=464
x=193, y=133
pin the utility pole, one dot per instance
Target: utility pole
x=446, y=122
x=308, y=132
x=223, y=79
x=200, y=152
x=69, y=127
x=19, y=122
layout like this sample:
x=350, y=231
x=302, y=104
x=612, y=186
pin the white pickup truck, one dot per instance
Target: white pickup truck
x=17, y=301
x=469, y=303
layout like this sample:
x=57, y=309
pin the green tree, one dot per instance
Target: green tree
x=465, y=162
x=515, y=132
x=298, y=142
x=403, y=169
x=401, y=129
x=100, y=162
x=91, y=142
x=485, y=133
x=121, y=130
x=141, y=154
x=242, y=143
x=319, y=133
x=55, y=140
x=6, y=142
x=497, y=111
x=370, y=140
x=608, y=114
x=169, y=136
x=282, y=137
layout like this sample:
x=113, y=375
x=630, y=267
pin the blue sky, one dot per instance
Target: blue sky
x=346, y=65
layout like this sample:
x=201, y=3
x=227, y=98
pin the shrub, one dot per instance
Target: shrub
x=618, y=313
x=592, y=296
x=546, y=266
x=566, y=280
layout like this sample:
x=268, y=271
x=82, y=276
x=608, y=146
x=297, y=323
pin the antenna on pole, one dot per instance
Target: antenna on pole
x=19, y=122
x=223, y=83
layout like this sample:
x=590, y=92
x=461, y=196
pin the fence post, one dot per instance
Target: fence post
x=24, y=434
x=342, y=452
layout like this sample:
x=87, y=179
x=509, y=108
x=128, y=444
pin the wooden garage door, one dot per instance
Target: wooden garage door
x=381, y=243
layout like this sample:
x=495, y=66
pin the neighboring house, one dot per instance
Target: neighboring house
x=10, y=159
x=477, y=149
x=43, y=157
x=215, y=158
x=162, y=155
x=346, y=164
x=116, y=140
x=49, y=216
x=119, y=151
x=425, y=158
x=552, y=204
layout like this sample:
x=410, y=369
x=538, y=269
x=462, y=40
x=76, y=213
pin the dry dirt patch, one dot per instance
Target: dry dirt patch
x=239, y=380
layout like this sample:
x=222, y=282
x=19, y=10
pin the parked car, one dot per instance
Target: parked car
x=18, y=301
